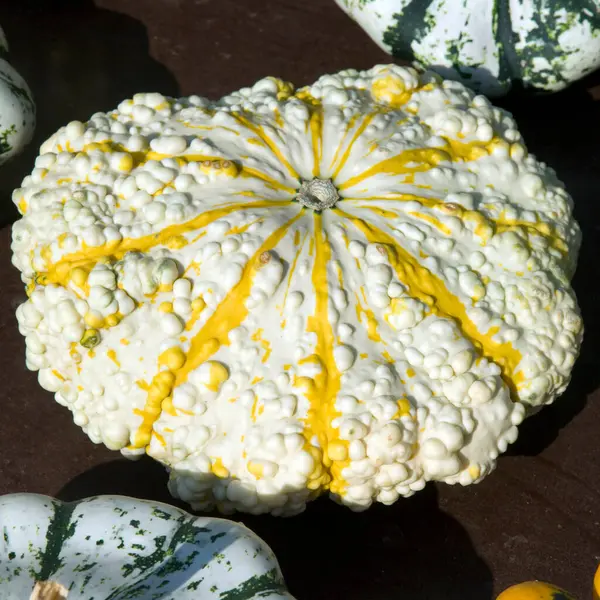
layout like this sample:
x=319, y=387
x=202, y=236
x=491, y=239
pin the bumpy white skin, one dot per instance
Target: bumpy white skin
x=265, y=352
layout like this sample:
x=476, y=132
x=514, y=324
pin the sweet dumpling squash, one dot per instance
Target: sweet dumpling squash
x=355, y=287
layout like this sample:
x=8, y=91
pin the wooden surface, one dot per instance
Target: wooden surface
x=537, y=516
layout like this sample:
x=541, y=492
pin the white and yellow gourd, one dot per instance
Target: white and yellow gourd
x=355, y=287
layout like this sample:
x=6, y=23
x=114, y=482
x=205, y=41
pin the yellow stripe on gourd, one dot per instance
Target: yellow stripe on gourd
x=243, y=228
x=425, y=286
x=86, y=257
x=485, y=226
x=371, y=321
x=267, y=141
x=160, y=388
x=249, y=172
x=215, y=333
x=322, y=390
x=359, y=131
x=424, y=159
x=349, y=126
x=315, y=125
x=231, y=312
x=138, y=159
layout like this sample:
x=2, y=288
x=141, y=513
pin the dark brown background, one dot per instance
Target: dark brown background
x=537, y=516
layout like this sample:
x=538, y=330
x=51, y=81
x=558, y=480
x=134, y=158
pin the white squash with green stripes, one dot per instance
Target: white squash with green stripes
x=489, y=45
x=17, y=110
x=117, y=548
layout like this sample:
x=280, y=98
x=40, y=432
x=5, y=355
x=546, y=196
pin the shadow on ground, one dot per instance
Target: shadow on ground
x=330, y=552
x=560, y=129
x=77, y=59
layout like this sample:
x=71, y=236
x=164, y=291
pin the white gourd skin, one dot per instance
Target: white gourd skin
x=110, y=547
x=17, y=110
x=184, y=300
x=488, y=45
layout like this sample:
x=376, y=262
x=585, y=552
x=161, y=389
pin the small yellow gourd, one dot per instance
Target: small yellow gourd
x=538, y=590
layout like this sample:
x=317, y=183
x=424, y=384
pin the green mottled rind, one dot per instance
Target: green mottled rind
x=17, y=109
x=60, y=528
x=112, y=548
x=411, y=24
x=538, y=44
x=260, y=586
x=543, y=40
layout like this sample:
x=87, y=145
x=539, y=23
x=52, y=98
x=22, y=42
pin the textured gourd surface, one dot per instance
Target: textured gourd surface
x=184, y=300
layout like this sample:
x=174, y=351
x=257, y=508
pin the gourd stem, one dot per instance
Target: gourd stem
x=318, y=194
x=49, y=590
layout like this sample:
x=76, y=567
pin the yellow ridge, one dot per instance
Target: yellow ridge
x=425, y=159
x=485, y=225
x=231, y=312
x=322, y=390
x=349, y=125
x=214, y=333
x=427, y=287
x=142, y=157
x=359, y=131
x=59, y=272
x=316, y=133
x=269, y=143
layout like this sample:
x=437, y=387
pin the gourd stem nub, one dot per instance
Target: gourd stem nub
x=318, y=194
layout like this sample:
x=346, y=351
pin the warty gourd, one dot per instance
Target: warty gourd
x=355, y=287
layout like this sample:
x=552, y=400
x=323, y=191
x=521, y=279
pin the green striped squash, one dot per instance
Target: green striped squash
x=116, y=548
x=489, y=45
